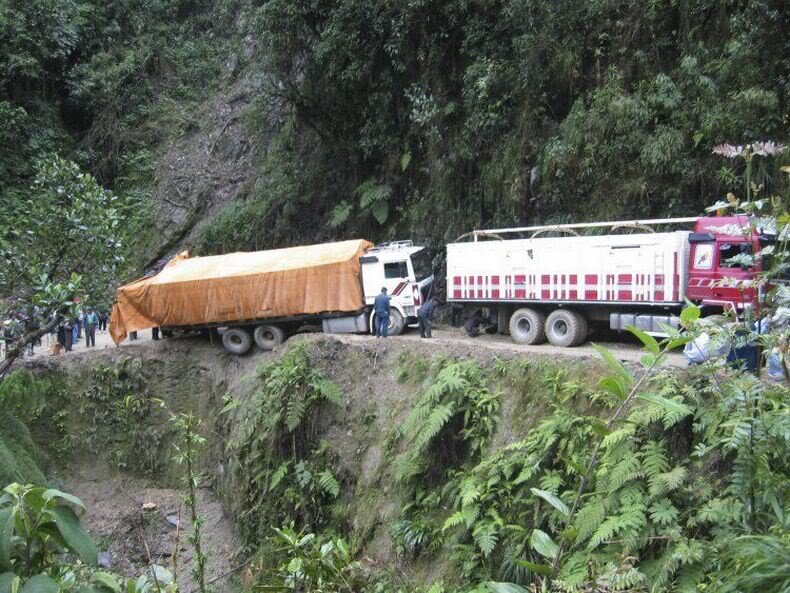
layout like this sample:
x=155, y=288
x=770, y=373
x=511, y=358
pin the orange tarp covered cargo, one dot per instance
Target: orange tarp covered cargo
x=238, y=286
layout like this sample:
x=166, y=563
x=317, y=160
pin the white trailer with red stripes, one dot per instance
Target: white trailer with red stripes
x=558, y=287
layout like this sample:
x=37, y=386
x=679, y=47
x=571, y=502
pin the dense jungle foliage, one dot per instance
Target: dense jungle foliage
x=419, y=119
x=423, y=120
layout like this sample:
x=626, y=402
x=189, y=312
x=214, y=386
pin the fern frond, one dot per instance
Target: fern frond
x=654, y=459
x=667, y=481
x=618, y=436
x=629, y=468
x=486, y=538
x=327, y=390
x=329, y=484
x=278, y=475
x=589, y=518
x=663, y=512
x=434, y=423
x=294, y=412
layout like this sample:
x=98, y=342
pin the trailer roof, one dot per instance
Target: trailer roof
x=587, y=225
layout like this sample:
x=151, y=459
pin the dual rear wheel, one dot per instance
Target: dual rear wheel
x=562, y=327
x=239, y=340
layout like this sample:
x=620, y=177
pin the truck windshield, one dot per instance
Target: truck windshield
x=421, y=262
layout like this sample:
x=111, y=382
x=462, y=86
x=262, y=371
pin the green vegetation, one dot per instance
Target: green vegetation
x=428, y=119
x=19, y=460
x=281, y=467
x=188, y=445
x=59, y=243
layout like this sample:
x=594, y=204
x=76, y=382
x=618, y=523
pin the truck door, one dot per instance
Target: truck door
x=730, y=276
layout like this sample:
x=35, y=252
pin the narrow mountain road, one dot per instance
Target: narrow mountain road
x=623, y=346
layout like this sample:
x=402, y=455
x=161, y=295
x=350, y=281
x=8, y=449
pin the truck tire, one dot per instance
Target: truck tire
x=527, y=326
x=237, y=340
x=584, y=332
x=396, y=323
x=395, y=328
x=565, y=328
x=268, y=336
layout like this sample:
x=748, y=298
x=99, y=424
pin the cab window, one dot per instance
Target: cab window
x=703, y=256
x=728, y=251
x=396, y=269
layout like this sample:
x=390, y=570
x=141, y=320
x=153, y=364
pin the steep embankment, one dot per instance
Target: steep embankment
x=107, y=437
x=433, y=461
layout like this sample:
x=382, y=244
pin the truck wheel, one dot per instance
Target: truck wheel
x=268, y=336
x=502, y=320
x=565, y=328
x=396, y=323
x=527, y=326
x=237, y=340
x=584, y=331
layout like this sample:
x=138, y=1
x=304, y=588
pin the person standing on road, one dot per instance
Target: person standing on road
x=91, y=321
x=425, y=316
x=68, y=330
x=61, y=329
x=381, y=307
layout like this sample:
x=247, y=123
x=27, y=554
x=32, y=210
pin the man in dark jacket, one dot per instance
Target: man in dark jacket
x=381, y=306
x=474, y=324
x=425, y=316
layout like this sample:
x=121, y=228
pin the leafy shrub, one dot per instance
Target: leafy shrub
x=276, y=453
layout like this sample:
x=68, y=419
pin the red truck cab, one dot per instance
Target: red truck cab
x=713, y=280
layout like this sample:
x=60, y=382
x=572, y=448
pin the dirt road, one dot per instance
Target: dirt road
x=623, y=346
x=103, y=340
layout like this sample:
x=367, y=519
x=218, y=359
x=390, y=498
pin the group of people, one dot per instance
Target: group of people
x=474, y=325
x=381, y=308
x=17, y=325
x=87, y=322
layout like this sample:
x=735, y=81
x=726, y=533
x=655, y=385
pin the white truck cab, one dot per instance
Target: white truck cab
x=405, y=270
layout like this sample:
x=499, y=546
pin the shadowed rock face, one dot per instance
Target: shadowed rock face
x=210, y=168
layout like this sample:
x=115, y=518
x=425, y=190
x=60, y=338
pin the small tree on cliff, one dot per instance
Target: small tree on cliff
x=60, y=242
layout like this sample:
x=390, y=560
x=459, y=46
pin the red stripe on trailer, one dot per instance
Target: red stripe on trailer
x=676, y=288
x=572, y=295
x=545, y=293
x=573, y=279
x=624, y=295
x=591, y=295
x=659, y=295
x=659, y=279
x=591, y=279
x=494, y=287
x=624, y=279
x=457, y=287
x=480, y=286
x=545, y=279
x=519, y=281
